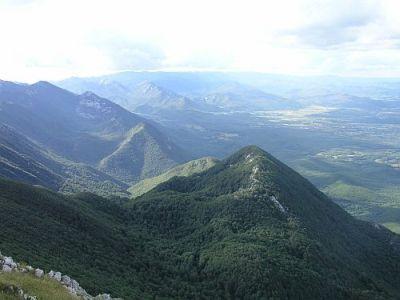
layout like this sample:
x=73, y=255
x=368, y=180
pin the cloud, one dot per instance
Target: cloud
x=125, y=53
x=46, y=39
x=334, y=23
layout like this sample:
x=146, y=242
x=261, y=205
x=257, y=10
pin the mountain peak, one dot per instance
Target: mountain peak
x=248, y=155
x=89, y=94
x=42, y=83
x=150, y=89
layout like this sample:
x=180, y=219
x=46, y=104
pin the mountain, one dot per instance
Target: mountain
x=149, y=98
x=144, y=153
x=83, y=127
x=236, y=96
x=346, y=101
x=83, y=131
x=148, y=92
x=186, y=169
x=248, y=227
x=184, y=83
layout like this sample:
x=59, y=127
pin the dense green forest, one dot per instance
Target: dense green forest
x=247, y=228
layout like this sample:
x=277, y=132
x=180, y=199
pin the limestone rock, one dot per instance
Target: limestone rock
x=57, y=276
x=6, y=269
x=66, y=280
x=39, y=273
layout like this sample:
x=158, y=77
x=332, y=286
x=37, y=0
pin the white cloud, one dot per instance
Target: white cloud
x=46, y=39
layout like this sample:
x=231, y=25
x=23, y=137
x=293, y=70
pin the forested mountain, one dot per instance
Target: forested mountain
x=58, y=139
x=248, y=227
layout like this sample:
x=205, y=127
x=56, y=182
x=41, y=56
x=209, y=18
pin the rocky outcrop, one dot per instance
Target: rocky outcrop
x=7, y=264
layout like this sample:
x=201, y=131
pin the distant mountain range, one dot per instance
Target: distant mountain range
x=151, y=97
x=248, y=227
x=57, y=139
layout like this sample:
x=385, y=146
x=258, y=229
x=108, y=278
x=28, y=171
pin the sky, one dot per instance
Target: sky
x=56, y=39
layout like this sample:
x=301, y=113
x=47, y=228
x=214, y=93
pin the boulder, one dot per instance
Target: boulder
x=8, y=261
x=6, y=268
x=39, y=273
x=57, y=276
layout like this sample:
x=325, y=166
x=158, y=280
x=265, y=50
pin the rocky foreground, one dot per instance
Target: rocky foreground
x=7, y=264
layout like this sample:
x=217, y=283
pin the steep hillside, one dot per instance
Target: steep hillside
x=80, y=130
x=144, y=153
x=84, y=128
x=23, y=160
x=186, y=169
x=248, y=227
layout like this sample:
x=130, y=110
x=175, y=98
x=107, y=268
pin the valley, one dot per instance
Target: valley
x=331, y=130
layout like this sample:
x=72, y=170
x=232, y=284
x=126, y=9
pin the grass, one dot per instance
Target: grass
x=395, y=227
x=187, y=169
x=42, y=288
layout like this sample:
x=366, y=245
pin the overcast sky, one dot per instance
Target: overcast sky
x=54, y=39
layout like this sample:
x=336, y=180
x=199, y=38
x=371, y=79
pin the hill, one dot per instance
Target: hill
x=186, y=169
x=248, y=227
x=144, y=153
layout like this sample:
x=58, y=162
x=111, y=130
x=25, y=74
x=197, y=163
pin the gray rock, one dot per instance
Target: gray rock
x=8, y=261
x=6, y=268
x=39, y=273
x=66, y=280
x=57, y=276
x=103, y=297
x=74, y=284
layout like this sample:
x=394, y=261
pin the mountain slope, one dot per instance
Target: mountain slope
x=249, y=227
x=186, y=169
x=22, y=159
x=79, y=129
x=83, y=127
x=144, y=153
